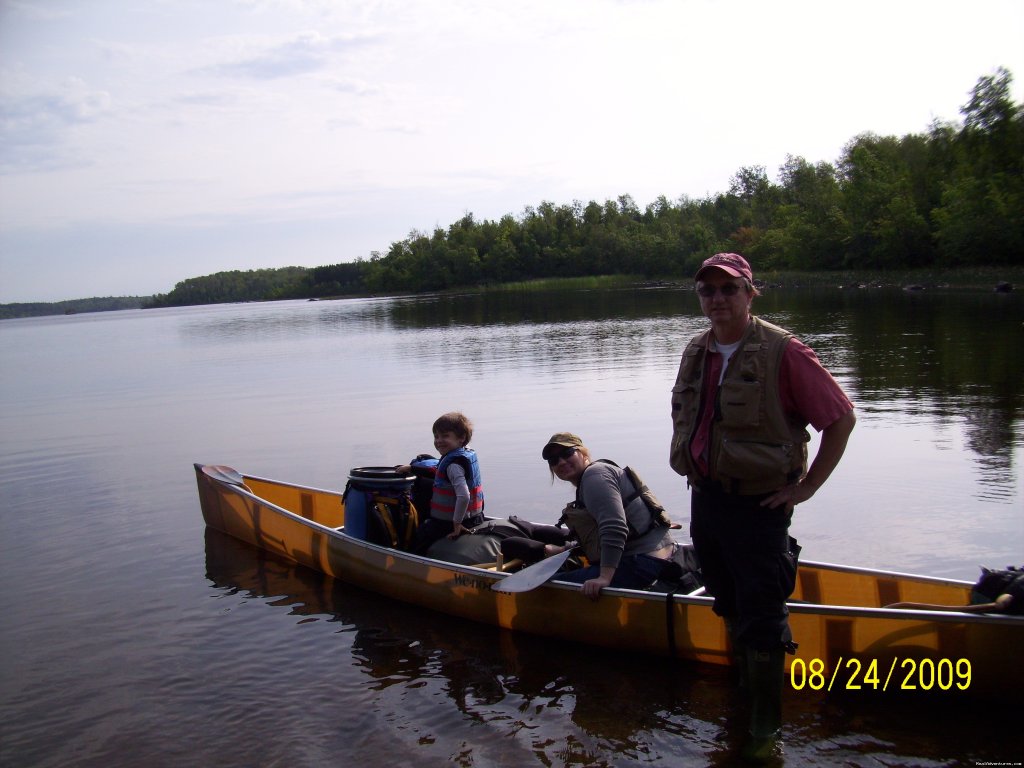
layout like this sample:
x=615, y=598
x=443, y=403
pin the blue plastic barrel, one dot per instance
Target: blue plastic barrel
x=361, y=479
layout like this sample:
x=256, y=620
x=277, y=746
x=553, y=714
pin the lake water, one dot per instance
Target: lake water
x=133, y=636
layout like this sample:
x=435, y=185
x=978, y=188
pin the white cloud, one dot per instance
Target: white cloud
x=36, y=122
x=306, y=53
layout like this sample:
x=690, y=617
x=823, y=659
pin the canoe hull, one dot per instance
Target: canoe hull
x=846, y=641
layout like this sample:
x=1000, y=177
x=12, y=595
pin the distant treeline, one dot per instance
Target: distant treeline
x=222, y=287
x=952, y=197
x=104, y=304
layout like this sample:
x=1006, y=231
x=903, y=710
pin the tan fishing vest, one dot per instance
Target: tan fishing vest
x=754, y=448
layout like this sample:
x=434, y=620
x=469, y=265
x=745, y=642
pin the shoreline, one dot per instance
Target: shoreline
x=980, y=279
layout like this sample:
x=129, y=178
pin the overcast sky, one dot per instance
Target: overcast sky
x=148, y=141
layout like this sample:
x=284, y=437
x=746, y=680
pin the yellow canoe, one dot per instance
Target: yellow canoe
x=847, y=640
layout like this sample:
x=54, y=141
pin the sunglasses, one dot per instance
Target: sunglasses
x=563, y=456
x=728, y=289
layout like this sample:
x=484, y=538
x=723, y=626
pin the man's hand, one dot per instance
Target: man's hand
x=789, y=496
x=833, y=443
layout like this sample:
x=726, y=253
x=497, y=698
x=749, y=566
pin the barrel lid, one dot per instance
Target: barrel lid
x=379, y=474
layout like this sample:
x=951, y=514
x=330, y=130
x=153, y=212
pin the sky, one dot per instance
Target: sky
x=146, y=142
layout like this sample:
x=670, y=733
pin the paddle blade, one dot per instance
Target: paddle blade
x=225, y=474
x=534, y=576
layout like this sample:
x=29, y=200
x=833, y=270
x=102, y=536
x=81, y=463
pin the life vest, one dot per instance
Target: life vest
x=442, y=500
x=754, y=447
x=642, y=508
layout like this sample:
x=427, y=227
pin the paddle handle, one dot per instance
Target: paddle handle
x=998, y=606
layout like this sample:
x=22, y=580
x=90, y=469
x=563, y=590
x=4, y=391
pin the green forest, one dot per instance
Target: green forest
x=951, y=197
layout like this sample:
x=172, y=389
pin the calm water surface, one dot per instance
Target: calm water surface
x=131, y=635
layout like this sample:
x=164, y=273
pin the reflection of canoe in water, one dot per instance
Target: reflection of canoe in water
x=482, y=675
x=845, y=637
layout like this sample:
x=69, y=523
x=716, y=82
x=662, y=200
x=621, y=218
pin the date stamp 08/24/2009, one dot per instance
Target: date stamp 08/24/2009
x=871, y=675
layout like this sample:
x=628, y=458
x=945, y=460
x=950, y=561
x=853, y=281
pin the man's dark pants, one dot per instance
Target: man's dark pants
x=747, y=564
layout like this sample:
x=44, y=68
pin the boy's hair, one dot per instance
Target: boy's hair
x=454, y=422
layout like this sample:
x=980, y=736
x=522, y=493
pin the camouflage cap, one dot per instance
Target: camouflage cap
x=560, y=440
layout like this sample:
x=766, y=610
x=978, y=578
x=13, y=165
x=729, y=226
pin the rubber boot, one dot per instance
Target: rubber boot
x=739, y=655
x=765, y=678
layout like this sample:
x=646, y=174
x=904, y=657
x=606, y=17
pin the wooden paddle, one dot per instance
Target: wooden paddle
x=534, y=576
x=999, y=606
x=225, y=475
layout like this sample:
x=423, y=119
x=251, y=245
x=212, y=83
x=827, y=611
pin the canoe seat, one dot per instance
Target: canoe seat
x=504, y=567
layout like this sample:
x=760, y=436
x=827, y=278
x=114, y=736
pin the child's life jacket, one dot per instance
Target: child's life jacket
x=442, y=501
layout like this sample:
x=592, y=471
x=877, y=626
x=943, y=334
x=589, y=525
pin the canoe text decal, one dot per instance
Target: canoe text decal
x=465, y=580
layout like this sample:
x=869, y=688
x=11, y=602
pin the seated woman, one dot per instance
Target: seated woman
x=625, y=543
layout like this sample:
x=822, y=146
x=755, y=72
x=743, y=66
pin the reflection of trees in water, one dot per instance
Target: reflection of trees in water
x=954, y=356
x=989, y=434
x=551, y=331
x=951, y=355
x=544, y=306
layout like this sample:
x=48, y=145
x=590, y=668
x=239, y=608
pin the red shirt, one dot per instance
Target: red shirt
x=806, y=389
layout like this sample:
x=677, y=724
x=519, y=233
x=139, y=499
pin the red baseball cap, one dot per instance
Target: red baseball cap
x=730, y=263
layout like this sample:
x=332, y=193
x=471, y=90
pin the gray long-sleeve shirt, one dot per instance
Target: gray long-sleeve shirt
x=602, y=488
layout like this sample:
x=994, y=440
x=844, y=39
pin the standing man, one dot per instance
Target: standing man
x=745, y=393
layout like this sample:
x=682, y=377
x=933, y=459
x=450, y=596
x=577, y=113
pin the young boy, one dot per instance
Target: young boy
x=457, y=499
